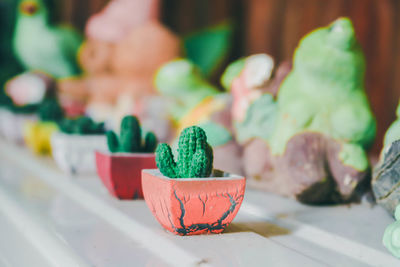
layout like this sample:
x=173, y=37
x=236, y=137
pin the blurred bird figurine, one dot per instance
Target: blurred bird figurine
x=41, y=46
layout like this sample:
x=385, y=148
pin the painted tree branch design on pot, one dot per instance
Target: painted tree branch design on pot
x=187, y=196
x=120, y=169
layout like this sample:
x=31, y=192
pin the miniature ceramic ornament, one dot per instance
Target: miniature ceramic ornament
x=186, y=196
x=41, y=46
x=74, y=146
x=391, y=236
x=209, y=48
x=120, y=169
x=119, y=17
x=23, y=95
x=37, y=134
x=195, y=101
x=125, y=46
x=73, y=96
x=115, y=73
x=29, y=88
x=182, y=82
x=385, y=179
x=309, y=142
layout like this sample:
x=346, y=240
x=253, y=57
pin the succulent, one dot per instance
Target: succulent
x=50, y=110
x=195, y=156
x=82, y=126
x=130, y=139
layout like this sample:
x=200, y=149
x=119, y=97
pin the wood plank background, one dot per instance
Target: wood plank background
x=276, y=26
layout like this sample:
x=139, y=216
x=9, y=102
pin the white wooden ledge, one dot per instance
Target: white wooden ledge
x=48, y=218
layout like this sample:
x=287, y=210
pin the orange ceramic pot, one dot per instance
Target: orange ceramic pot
x=121, y=172
x=192, y=206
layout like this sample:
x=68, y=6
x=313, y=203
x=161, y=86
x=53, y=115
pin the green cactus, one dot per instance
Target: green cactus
x=81, y=126
x=195, y=156
x=50, y=110
x=130, y=139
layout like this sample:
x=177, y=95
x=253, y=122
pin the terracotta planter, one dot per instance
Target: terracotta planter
x=192, y=206
x=12, y=124
x=75, y=154
x=121, y=172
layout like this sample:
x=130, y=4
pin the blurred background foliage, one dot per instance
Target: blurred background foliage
x=271, y=26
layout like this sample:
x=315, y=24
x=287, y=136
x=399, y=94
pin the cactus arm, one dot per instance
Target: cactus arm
x=202, y=161
x=112, y=142
x=150, y=142
x=187, y=148
x=200, y=164
x=165, y=161
x=210, y=157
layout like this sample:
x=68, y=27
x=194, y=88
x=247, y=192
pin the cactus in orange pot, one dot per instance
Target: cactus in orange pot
x=195, y=156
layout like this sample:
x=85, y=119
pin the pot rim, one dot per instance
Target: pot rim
x=227, y=176
x=125, y=154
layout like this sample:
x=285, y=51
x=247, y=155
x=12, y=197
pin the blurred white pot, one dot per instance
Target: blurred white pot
x=12, y=125
x=75, y=154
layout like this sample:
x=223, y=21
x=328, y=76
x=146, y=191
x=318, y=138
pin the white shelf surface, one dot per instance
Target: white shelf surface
x=48, y=218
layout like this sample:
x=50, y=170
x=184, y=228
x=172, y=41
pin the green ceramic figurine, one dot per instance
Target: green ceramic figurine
x=182, y=82
x=391, y=237
x=309, y=141
x=41, y=46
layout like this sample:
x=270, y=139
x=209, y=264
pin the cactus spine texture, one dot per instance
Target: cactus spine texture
x=195, y=156
x=130, y=139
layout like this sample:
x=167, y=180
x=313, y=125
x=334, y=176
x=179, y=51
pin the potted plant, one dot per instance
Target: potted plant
x=187, y=196
x=120, y=169
x=37, y=134
x=75, y=144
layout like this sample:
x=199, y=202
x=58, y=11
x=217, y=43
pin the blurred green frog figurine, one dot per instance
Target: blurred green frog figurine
x=41, y=46
x=309, y=141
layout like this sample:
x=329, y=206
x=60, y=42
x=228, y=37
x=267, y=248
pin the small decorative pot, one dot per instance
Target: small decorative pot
x=12, y=125
x=192, y=206
x=37, y=136
x=121, y=172
x=75, y=154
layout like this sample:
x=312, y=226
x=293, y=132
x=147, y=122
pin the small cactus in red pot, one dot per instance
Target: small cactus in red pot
x=187, y=196
x=120, y=169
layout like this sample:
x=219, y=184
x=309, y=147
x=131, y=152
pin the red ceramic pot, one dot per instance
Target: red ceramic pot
x=121, y=172
x=192, y=206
